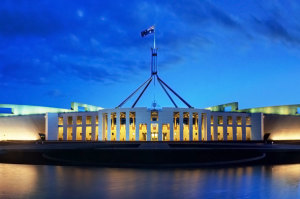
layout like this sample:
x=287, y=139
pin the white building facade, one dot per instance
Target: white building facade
x=142, y=124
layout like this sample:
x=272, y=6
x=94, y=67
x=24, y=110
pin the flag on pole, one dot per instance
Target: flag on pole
x=147, y=31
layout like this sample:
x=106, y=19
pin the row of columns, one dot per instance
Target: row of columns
x=74, y=126
x=225, y=125
x=144, y=117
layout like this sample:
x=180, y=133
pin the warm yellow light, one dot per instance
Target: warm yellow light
x=285, y=135
x=26, y=137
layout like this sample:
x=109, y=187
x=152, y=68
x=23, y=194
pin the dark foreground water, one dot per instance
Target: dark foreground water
x=31, y=181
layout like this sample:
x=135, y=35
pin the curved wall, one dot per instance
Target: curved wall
x=282, y=127
x=25, y=127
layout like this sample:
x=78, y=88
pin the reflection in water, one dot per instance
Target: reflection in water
x=32, y=181
x=20, y=180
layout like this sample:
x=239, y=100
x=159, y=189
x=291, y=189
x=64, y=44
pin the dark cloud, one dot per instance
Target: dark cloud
x=24, y=73
x=273, y=29
x=100, y=41
x=221, y=17
x=22, y=24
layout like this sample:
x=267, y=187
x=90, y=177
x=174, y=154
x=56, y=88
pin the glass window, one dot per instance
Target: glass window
x=248, y=121
x=122, y=118
x=248, y=133
x=132, y=118
x=79, y=120
x=239, y=120
x=154, y=116
x=97, y=120
x=69, y=133
x=211, y=119
x=229, y=120
x=60, y=133
x=220, y=120
x=88, y=135
x=70, y=120
x=88, y=119
x=60, y=121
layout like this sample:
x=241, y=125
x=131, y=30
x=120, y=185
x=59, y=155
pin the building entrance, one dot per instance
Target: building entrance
x=143, y=132
x=154, y=132
x=166, y=132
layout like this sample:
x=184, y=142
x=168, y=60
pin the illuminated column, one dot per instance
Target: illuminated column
x=199, y=126
x=160, y=130
x=109, y=126
x=137, y=131
x=190, y=126
x=137, y=125
x=161, y=120
x=181, y=125
x=225, y=128
x=127, y=125
x=243, y=127
x=208, y=124
x=234, y=128
x=84, y=127
x=65, y=126
x=94, y=127
x=74, y=118
x=118, y=126
x=100, y=126
x=171, y=126
x=215, y=127
x=51, y=124
x=148, y=122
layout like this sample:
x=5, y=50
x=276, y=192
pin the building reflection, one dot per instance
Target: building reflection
x=19, y=180
x=31, y=181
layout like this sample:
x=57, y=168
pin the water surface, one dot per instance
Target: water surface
x=35, y=181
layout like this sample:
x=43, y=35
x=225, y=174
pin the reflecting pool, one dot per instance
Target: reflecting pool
x=35, y=181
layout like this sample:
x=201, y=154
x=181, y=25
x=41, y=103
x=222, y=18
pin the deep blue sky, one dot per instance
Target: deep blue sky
x=211, y=52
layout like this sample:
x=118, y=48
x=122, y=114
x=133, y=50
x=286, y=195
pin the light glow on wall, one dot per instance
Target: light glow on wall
x=285, y=135
x=25, y=137
x=22, y=128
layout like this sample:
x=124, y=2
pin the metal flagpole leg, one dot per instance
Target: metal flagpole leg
x=188, y=105
x=141, y=93
x=167, y=93
x=133, y=93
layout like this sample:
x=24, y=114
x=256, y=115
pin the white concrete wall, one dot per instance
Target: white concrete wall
x=51, y=126
x=25, y=127
x=257, y=126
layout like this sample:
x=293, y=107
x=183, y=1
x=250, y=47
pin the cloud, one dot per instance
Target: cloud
x=100, y=41
x=275, y=30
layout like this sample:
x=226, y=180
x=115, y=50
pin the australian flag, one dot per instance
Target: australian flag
x=147, y=31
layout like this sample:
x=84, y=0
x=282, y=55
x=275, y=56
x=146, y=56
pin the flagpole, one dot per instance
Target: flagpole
x=154, y=38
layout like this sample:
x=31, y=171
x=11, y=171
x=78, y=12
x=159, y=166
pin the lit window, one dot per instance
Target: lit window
x=70, y=120
x=88, y=119
x=220, y=120
x=97, y=120
x=79, y=120
x=122, y=118
x=229, y=120
x=60, y=121
x=211, y=119
x=60, y=133
x=154, y=116
x=248, y=121
x=239, y=120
